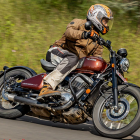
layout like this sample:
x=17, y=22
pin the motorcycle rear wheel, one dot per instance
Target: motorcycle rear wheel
x=109, y=124
x=8, y=109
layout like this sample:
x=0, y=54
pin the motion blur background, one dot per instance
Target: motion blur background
x=29, y=27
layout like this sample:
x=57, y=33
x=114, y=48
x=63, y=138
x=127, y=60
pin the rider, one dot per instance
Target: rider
x=74, y=44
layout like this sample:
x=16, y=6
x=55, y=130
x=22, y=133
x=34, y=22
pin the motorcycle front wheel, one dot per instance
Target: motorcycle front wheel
x=123, y=122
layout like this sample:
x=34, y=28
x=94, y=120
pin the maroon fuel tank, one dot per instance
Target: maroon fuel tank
x=92, y=63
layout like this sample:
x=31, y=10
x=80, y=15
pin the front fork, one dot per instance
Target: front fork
x=114, y=80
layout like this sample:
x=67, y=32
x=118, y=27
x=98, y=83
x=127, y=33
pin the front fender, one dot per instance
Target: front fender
x=130, y=84
x=19, y=67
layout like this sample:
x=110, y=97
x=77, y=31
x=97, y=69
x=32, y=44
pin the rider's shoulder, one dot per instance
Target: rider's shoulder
x=76, y=22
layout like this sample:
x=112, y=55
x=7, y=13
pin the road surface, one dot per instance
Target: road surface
x=30, y=128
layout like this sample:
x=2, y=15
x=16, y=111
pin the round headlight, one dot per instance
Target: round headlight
x=124, y=64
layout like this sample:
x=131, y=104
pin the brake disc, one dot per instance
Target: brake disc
x=123, y=111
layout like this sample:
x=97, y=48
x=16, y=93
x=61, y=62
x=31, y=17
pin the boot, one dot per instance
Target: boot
x=46, y=91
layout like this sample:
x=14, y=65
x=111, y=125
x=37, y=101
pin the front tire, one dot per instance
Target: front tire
x=9, y=109
x=112, y=126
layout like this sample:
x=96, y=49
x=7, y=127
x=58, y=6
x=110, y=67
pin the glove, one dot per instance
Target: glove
x=86, y=35
x=90, y=34
x=94, y=34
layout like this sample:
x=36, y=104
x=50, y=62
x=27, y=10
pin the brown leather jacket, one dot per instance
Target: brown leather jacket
x=71, y=40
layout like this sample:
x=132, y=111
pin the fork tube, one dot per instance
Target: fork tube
x=114, y=80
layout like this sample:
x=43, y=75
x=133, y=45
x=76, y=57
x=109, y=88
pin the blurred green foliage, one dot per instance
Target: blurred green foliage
x=29, y=27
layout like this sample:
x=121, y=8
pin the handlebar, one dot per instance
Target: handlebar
x=107, y=44
x=101, y=41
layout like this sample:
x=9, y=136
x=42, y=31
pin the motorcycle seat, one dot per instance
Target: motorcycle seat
x=48, y=66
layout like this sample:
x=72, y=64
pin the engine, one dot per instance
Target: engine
x=74, y=115
x=78, y=84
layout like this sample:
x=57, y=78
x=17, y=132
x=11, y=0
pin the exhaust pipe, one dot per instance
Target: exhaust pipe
x=26, y=101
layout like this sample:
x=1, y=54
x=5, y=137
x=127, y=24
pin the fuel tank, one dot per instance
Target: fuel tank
x=92, y=64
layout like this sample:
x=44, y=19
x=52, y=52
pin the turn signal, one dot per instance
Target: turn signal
x=113, y=65
x=88, y=91
x=126, y=79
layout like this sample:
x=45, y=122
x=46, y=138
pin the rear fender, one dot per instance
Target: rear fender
x=33, y=73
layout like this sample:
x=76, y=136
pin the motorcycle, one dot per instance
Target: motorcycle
x=96, y=89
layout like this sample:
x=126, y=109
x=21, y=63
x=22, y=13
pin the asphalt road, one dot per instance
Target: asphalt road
x=29, y=128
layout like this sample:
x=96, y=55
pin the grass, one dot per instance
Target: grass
x=27, y=29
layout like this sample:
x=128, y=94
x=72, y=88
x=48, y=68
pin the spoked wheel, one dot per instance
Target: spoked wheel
x=10, y=81
x=7, y=104
x=119, y=123
x=9, y=109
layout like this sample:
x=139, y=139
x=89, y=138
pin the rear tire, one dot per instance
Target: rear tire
x=18, y=110
x=108, y=128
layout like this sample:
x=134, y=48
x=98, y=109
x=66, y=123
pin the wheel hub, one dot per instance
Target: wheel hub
x=123, y=111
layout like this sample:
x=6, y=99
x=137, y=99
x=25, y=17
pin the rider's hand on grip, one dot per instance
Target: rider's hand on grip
x=86, y=35
x=91, y=34
x=94, y=35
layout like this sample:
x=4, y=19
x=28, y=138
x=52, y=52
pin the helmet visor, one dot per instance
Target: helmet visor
x=108, y=23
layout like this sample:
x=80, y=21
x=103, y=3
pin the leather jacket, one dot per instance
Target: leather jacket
x=73, y=42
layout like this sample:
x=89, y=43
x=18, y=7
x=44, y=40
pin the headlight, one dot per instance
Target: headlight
x=124, y=64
